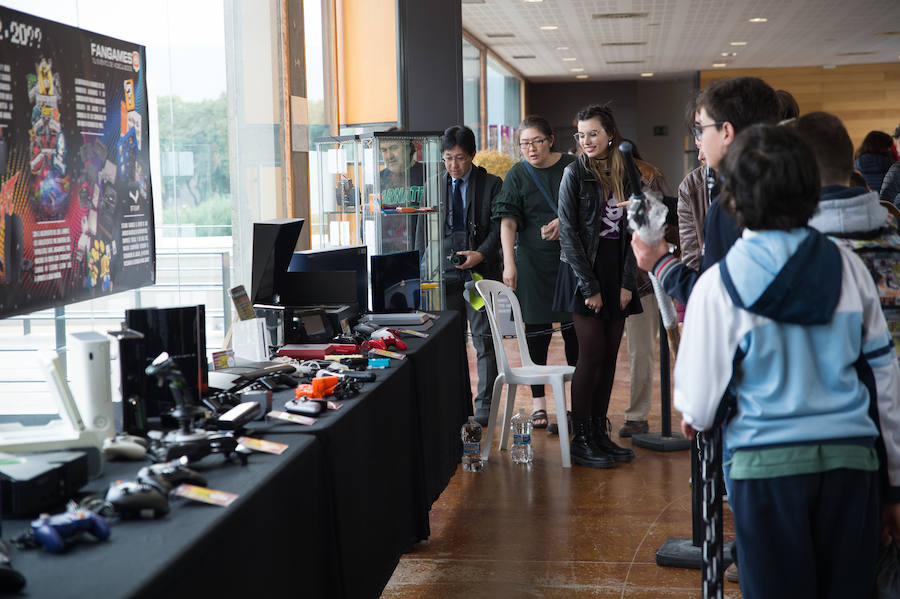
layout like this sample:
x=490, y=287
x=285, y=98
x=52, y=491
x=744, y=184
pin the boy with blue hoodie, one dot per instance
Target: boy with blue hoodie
x=786, y=336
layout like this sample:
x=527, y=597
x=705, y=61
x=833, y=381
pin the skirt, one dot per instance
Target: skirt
x=568, y=298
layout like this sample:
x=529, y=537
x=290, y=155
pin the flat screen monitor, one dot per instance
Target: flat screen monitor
x=396, y=282
x=182, y=333
x=273, y=245
x=352, y=258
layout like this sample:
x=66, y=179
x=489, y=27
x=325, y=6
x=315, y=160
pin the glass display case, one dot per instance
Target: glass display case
x=383, y=190
x=338, y=171
x=402, y=207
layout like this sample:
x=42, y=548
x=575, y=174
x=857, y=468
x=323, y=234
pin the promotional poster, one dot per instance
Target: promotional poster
x=76, y=209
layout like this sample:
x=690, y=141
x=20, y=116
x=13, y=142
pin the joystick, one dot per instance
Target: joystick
x=53, y=532
x=168, y=475
x=133, y=499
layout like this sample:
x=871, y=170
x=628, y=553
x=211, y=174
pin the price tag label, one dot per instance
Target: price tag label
x=295, y=418
x=263, y=446
x=204, y=495
x=387, y=354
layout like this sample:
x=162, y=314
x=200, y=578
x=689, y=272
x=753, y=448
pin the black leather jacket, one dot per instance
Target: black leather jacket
x=580, y=220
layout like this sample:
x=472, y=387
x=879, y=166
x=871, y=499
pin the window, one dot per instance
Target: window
x=215, y=121
x=471, y=65
x=504, y=107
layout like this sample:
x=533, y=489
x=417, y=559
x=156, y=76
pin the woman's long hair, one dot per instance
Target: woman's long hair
x=610, y=170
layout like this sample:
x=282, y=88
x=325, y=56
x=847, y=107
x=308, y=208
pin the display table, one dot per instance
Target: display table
x=328, y=518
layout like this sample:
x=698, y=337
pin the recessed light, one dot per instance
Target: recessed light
x=522, y=56
x=729, y=54
x=646, y=74
x=581, y=76
x=562, y=47
x=623, y=44
x=719, y=65
x=569, y=59
x=759, y=20
x=549, y=27
x=738, y=43
x=500, y=35
x=625, y=61
x=577, y=70
x=867, y=53
x=533, y=1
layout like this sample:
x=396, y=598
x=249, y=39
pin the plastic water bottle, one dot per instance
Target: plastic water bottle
x=471, y=438
x=520, y=426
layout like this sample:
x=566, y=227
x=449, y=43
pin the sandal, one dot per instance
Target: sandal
x=539, y=419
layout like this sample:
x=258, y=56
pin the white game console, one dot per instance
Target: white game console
x=84, y=423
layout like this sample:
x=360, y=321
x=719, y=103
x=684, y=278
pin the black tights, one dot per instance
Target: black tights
x=539, y=345
x=598, y=347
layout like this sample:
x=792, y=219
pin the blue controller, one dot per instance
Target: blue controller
x=52, y=532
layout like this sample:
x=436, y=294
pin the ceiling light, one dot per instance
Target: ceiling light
x=738, y=43
x=533, y=1
x=577, y=70
x=549, y=27
x=581, y=76
x=500, y=35
x=623, y=44
x=729, y=54
x=620, y=15
x=888, y=33
x=523, y=56
x=569, y=59
x=759, y=20
x=719, y=65
x=625, y=61
x=562, y=47
x=856, y=53
x=646, y=74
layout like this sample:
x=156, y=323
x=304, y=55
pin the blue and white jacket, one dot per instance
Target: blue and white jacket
x=779, y=325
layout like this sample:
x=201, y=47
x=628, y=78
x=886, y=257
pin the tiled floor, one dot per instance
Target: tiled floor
x=544, y=531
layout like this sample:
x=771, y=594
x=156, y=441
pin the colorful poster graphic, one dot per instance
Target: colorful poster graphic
x=76, y=209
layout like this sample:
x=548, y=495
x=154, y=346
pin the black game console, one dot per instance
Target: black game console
x=36, y=482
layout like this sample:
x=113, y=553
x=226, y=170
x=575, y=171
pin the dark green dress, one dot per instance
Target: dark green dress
x=537, y=260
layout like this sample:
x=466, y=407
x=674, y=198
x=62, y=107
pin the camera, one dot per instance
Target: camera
x=457, y=259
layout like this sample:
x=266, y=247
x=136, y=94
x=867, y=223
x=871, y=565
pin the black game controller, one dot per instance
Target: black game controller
x=132, y=499
x=168, y=475
x=11, y=581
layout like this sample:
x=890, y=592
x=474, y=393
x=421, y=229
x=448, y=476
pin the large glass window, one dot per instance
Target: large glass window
x=471, y=65
x=215, y=122
x=504, y=108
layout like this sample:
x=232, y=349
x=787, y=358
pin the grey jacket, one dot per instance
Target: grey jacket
x=890, y=187
x=580, y=222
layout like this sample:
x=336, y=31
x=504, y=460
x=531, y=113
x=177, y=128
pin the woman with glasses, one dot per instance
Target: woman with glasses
x=526, y=209
x=598, y=281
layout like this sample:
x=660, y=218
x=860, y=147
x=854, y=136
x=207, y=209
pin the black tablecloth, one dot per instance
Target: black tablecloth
x=200, y=550
x=329, y=518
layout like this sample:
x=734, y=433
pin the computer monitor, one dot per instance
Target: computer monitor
x=273, y=245
x=182, y=333
x=396, y=282
x=352, y=258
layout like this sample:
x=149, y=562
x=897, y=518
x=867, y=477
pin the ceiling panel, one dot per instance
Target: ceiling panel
x=681, y=36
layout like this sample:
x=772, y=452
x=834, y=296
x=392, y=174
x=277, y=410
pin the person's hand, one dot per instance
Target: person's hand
x=624, y=298
x=473, y=259
x=624, y=204
x=687, y=430
x=890, y=523
x=510, y=276
x=595, y=302
x=647, y=255
x=550, y=231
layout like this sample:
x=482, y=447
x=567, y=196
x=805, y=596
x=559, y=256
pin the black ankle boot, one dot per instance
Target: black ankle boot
x=600, y=432
x=583, y=449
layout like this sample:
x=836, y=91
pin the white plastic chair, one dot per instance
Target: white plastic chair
x=527, y=374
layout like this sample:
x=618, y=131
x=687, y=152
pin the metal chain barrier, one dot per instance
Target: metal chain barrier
x=710, y=450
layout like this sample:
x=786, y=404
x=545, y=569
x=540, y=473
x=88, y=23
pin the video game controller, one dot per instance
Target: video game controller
x=389, y=338
x=11, y=581
x=133, y=499
x=127, y=447
x=52, y=532
x=168, y=475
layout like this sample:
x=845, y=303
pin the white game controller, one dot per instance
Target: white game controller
x=128, y=447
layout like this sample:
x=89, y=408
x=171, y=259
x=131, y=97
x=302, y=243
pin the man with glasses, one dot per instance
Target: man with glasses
x=724, y=109
x=471, y=245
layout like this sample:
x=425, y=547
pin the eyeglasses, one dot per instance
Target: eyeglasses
x=534, y=143
x=580, y=137
x=697, y=130
x=458, y=158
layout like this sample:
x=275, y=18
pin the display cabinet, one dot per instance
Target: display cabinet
x=402, y=206
x=337, y=170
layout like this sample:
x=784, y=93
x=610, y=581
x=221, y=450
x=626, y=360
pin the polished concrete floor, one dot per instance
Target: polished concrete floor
x=545, y=531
